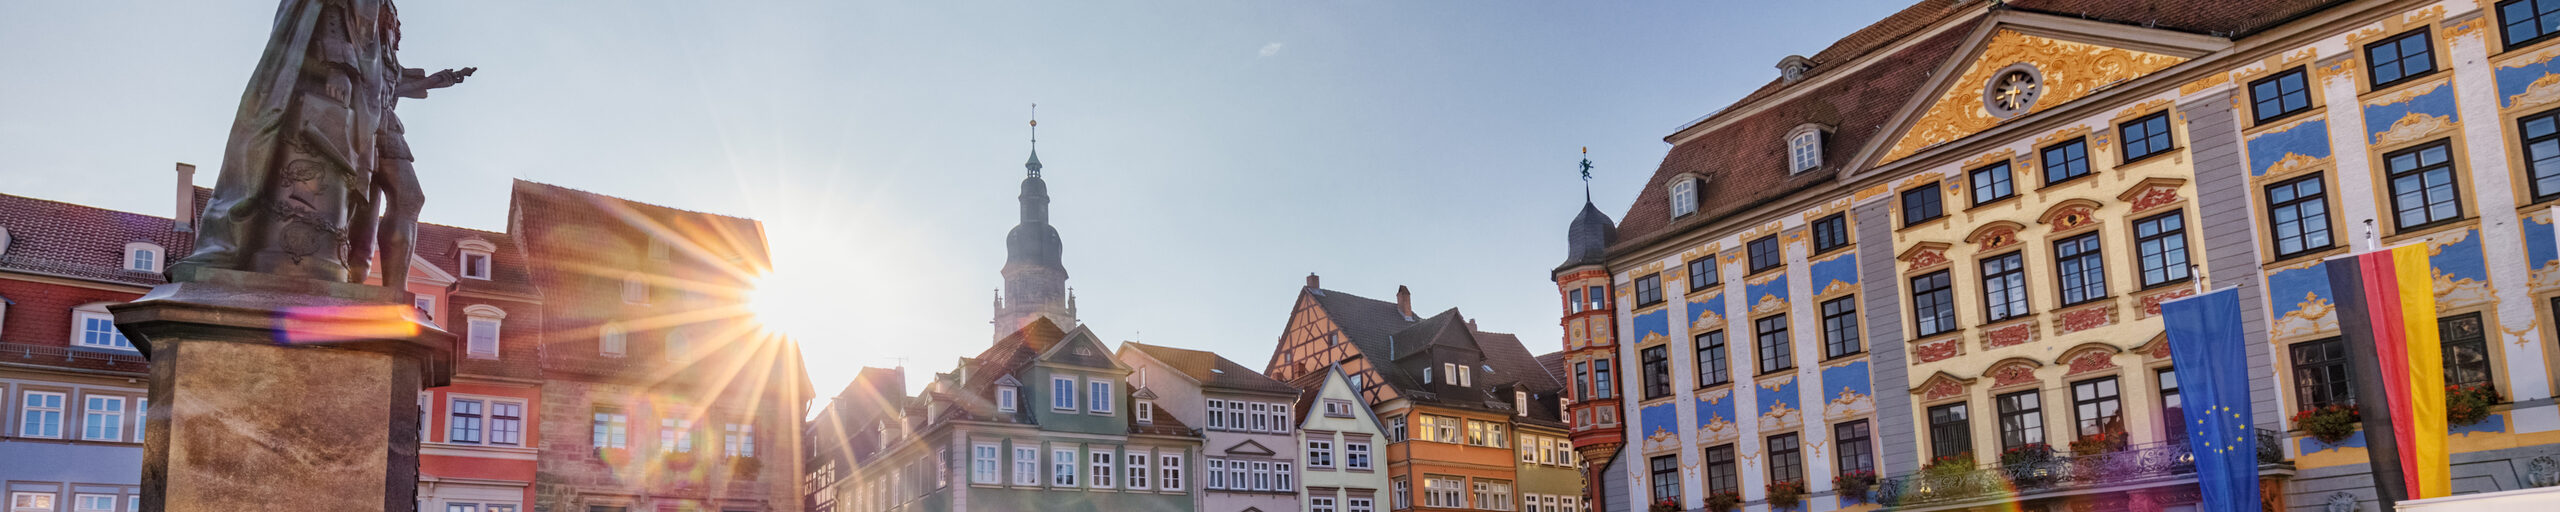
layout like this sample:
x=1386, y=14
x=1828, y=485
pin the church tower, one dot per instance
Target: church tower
x=1035, y=277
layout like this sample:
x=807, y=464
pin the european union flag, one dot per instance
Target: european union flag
x=2212, y=358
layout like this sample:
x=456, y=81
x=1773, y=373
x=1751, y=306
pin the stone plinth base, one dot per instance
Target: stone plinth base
x=275, y=393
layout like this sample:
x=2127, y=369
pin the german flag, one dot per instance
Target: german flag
x=2387, y=311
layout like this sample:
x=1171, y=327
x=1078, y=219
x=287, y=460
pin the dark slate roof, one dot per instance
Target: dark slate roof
x=1384, y=336
x=1744, y=159
x=1212, y=370
x=85, y=242
x=1586, y=241
x=1554, y=363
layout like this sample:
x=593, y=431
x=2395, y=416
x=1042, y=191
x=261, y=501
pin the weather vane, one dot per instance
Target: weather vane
x=1035, y=127
x=1586, y=173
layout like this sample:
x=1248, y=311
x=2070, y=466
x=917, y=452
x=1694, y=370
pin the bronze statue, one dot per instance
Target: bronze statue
x=313, y=143
x=395, y=180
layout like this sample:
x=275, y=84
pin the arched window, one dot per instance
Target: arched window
x=142, y=257
x=1804, y=148
x=679, y=345
x=481, y=342
x=93, y=327
x=635, y=288
x=1684, y=196
x=612, y=340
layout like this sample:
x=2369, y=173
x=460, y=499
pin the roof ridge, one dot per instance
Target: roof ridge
x=522, y=181
x=90, y=207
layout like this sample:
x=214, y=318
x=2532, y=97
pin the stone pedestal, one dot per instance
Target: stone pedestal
x=281, y=393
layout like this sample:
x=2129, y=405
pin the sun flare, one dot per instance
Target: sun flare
x=790, y=307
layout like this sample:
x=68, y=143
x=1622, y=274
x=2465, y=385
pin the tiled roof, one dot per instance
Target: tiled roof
x=1384, y=335
x=1212, y=370
x=508, y=270
x=1744, y=158
x=84, y=242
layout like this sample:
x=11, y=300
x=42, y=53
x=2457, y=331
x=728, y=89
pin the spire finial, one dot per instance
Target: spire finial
x=1034, y=164
x=1586, y=174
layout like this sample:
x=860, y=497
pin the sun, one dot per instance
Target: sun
x=790, y=307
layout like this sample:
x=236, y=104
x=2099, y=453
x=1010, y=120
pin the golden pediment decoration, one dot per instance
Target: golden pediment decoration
x=2071, y=70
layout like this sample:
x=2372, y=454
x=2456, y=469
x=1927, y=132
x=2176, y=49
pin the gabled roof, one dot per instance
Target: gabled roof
x=1384, y=336
x=1739, y=150
x=1209, y=369
x=84, y=242
x=440, y=246
x=1081, y=348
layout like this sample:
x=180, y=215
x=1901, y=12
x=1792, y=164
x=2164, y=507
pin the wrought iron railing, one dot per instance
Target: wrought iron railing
x=2149, y=461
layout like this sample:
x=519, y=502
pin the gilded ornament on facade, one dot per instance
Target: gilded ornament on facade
x=2065, y=71
x=2542, y=91
x=2415, y=126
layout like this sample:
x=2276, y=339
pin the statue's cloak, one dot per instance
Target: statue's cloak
x=301, y=144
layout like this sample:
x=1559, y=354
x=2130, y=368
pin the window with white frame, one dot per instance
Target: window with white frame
x=1444, y=491
x=95, y=328
x=1319, y=453
x=102, y=418
x=1062, y=462
x=1062, y=393
x=1262, y=480
x=426, y=305
x=1282, y=478
x=482, y=341
x=1684, y=198
x=31, y=502
x=1261, y=417
x=1006, y=397
x=1145, y=410
x=1137, y=462
x=1337, y=408
x=1401, y=492
x=679, y=344
x=40, y=415
x=1217, y=413
x=1217, y=474
x=1105, y=465
x=475, y=264
x=1361, y=504
x=1236, y=476
x=142, y=257
x=982, y=463
x=1320, y=504
x=1169, y=467
x=675, y=435
x=611, y=429
x=1280, y=417
x=1026, y=465
x=1804, y=148
x=464, y=425
x=1355, y=454
x=739, y=440
x=1235, y=415
x=93, y=503
x=635, y=288
x=612, y=340
x=141, y=417
x=1100, y=401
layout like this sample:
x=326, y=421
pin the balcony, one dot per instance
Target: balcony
x=2150, y=464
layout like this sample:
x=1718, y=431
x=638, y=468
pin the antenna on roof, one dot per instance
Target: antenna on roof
x=1035, y=127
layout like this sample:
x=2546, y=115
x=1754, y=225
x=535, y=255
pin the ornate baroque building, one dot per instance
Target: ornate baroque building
x=1943, y=241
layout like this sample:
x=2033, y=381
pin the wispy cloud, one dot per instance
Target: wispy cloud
x=1271, y=49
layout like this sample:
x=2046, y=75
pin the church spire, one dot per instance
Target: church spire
x=1035, y=274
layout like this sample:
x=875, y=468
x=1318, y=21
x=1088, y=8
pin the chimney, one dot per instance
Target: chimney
x=1471, y=326
x=1404, y=301
x=1312, y=282
x=185, y=219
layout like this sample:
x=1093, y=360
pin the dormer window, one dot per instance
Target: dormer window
x=1006, y=397
x=1520, y=402
x=1146, y=411
x=1804, y=148
x=1462, y=376
x=142, y=257
x=1684, y=197
x=475, y=257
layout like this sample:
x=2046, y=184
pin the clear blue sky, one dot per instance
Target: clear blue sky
x=1204, y=156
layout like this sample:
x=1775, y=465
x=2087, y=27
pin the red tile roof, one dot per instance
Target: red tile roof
x=84, y=242
x=1744, y=156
